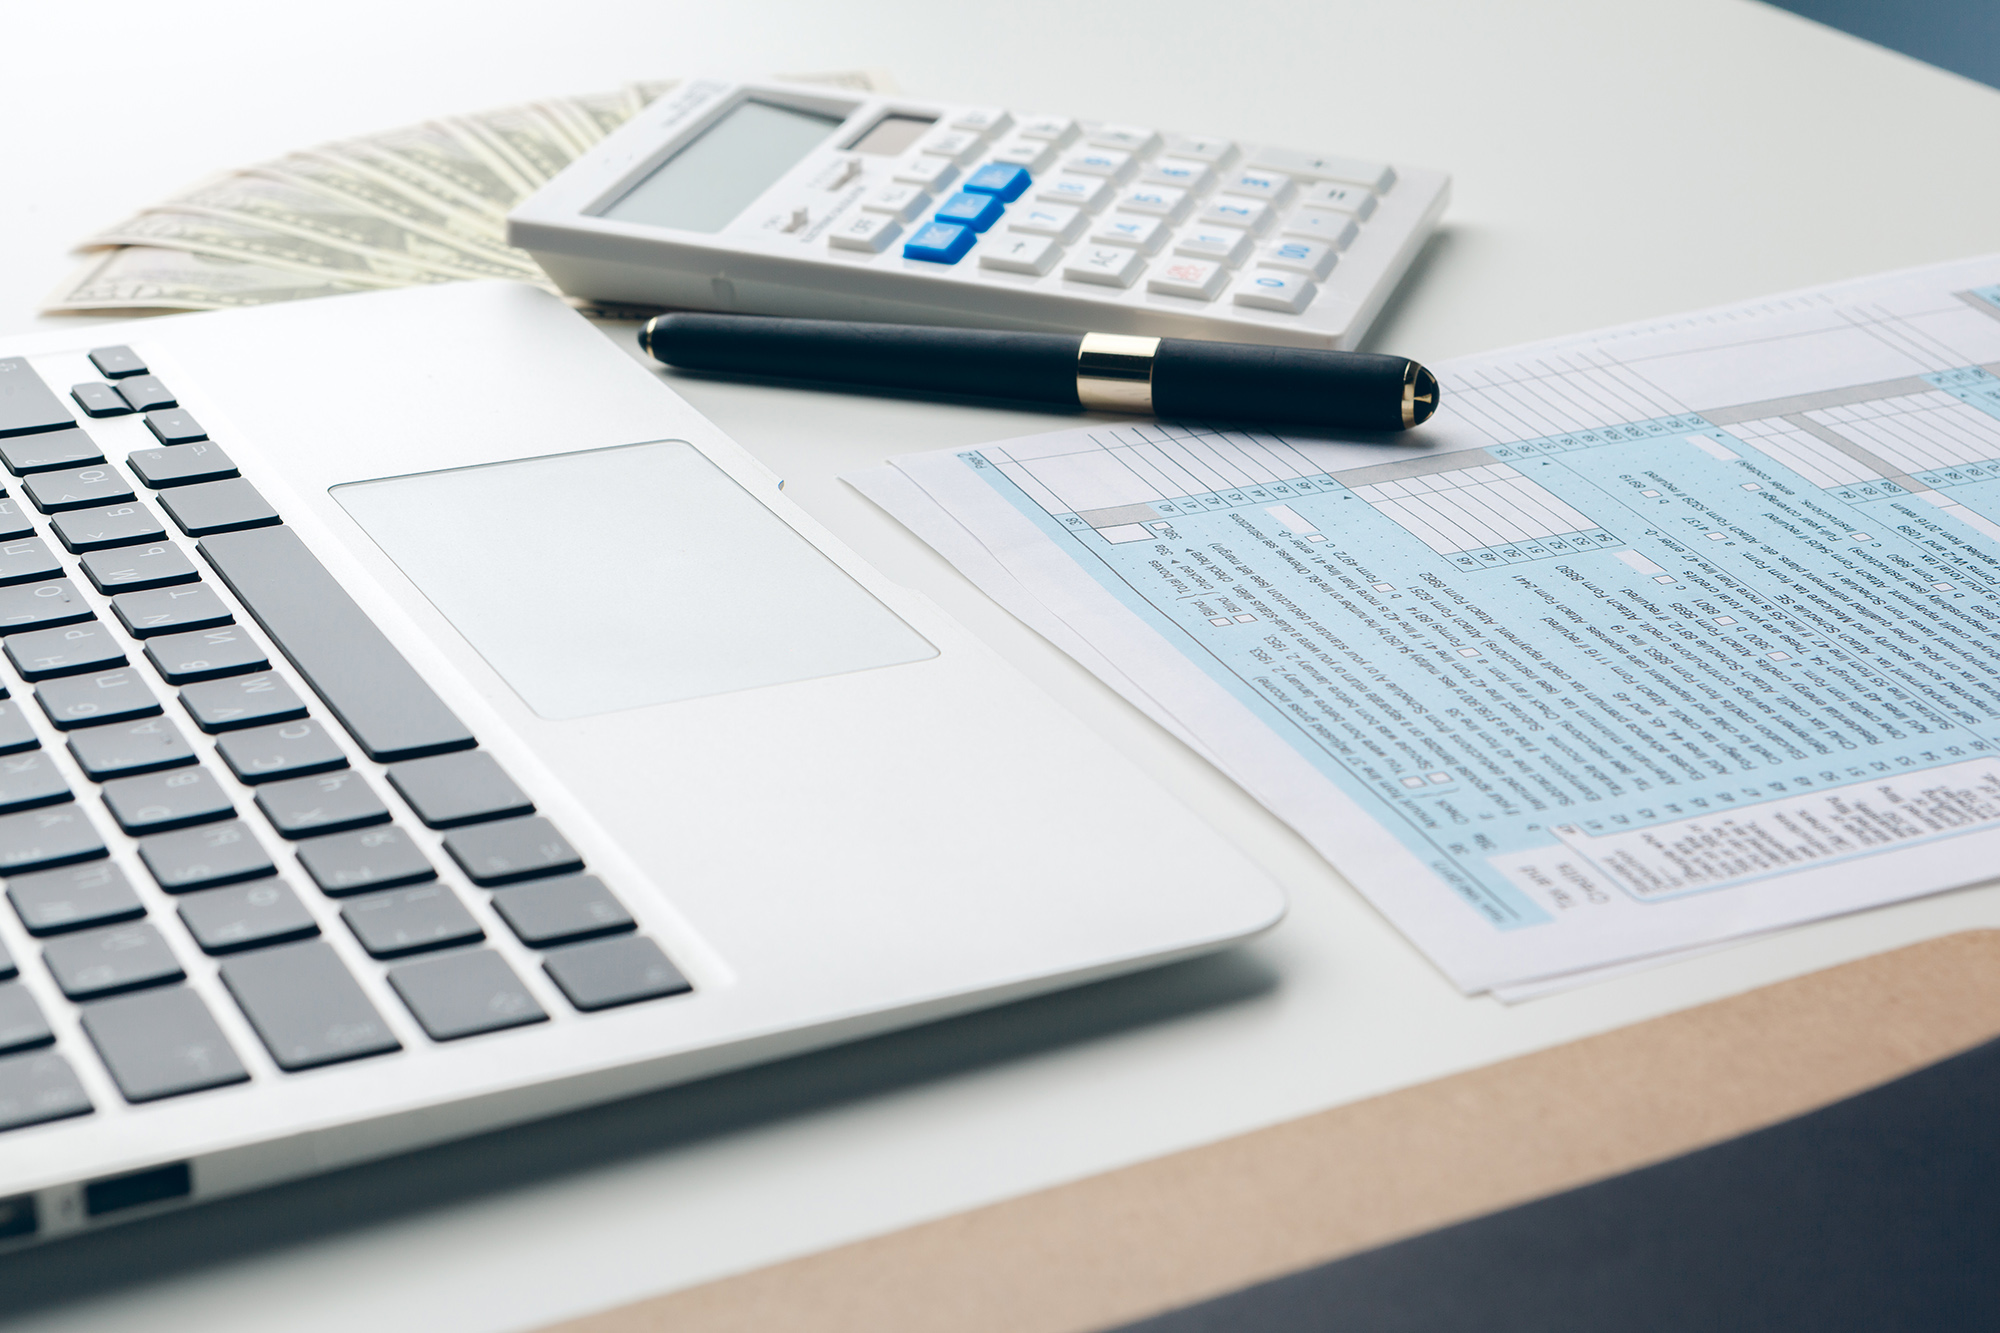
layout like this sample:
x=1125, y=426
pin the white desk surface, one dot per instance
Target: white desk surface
x=1614, y=159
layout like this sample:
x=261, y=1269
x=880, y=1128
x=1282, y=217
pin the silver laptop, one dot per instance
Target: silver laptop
x=420, y=720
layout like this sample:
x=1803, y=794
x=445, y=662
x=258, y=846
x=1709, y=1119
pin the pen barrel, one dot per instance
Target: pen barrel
x=1251, y=382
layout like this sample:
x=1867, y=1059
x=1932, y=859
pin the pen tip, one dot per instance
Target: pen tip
x=1423, y=396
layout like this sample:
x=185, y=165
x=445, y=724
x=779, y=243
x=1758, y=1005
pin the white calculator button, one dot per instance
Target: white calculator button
x=1225, y=245
x=1185, y=172
x=865, y=231
x=1030, y=155
x=1160, y=201
x=901, y=201
x=984, y=121
x=1110, y=163
x=1085, y=192
x=1377, y=176
x=1202, y=148
x=1300, y=256
x=1272, y=187
x=1106, y=265
x=1058, y=130
x=1319, y=224
x=1015, y=253
x=1142, y=233
x=1267, y=289
x=933, y=173
x=1131, y=138
x=1341, y=196
x=1201, y=279
x=957, y=145
x=1057, y=220
x=1246, y=213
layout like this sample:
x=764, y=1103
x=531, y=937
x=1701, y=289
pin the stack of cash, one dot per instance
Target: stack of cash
x=424, y=204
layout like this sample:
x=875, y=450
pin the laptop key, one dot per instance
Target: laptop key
x=400, y=921
x=124, y=749
x=207, y=654
x=39, y=605
x=27, y=406
x=110, y=960
x=305, y=1007
x=181, y=464
x=89, y=701
x=22, y=1025
x=287, y=750
x=138, y=568
x=246, y=916
x=30, y=780
x=15, y=733
x=372, y=858
x=514, y=849
x=28, y=561
x=145, y=393
x=468, y=787
x=241, y=701
x=39, y=1087
x=218, y=506
x=41, y=453
x=162, y=802
x=205, y=857
x=7, y=968
x=98, y=399
x=76, y=488
x=326, y=803
x=561, y=911
x=605, y=973
x=106, y=526
x=44, y=654
x=378, y=696
x=162, y=1045
x=171, y=610
x=51, y=902
x=465, y=994
x=117, y=363
x=14, y=525
x=175, y=425
x=57, y=835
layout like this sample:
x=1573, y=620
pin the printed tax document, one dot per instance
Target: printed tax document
x=1652, y=639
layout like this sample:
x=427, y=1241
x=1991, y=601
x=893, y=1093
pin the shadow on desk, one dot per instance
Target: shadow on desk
x=229, y=1230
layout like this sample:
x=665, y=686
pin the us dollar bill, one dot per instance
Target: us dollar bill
x=143, y=277
x=358, y=186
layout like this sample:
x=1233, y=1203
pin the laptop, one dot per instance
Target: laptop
x=421, y=721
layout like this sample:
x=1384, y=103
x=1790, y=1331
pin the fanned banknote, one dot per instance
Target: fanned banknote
x=420, y=204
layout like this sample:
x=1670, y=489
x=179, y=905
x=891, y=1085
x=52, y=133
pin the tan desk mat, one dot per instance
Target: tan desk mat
x=1165, y=1233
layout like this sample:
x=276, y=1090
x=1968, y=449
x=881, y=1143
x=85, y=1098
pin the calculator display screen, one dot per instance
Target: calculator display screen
x=715, y=175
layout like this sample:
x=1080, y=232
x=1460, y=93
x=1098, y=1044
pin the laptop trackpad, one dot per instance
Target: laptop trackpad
x=617, y=578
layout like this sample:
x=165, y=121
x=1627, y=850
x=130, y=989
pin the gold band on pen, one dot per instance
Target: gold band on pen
x=1114, y=372
x=1420, y=394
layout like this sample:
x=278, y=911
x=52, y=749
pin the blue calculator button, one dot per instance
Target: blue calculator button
x=939, y=242
x=977, y=211
x=1003, y=180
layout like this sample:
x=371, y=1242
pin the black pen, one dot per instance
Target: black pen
x=1165, y=377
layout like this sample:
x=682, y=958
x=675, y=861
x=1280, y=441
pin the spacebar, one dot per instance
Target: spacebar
x=377, y=695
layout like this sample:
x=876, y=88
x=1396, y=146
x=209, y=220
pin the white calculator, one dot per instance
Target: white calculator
x=788, y=199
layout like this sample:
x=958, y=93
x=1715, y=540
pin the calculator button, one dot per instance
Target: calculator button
x=1246, y=213
x=1161, y=201
x=985, y=121
x=1057, y=220
x=1266, y=289
x=939, y=243
x=162, y=1045
x=1228, y=246
x=957, y=145
x=1272, y=187
x=1322, y=225
x=200, y=858
x=1300, y=256
x=902, y=202
x=1377, y=176
x=1031, y=155
x=1105, y=265
x=1201, y=148
x=869, y=233
x=1130, y=138
x=1085, y=192
x=1141, y=233
x=1058, y=130
x=1018, y=253
x=1185, y=172
x=932, y=173
x=1110, y=163
x=966, y=209
x=98, y=400
x=1003, y=180
x=117, y=363
x=1340, y=196
x=1200, y=279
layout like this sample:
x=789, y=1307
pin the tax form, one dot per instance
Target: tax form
x=1652, y=639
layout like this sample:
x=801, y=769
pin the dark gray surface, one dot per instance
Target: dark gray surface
x=381, y=700
x=200, y=858
x=469, y=787
x=395, y=922
x=218, y=506
x=606, y=973
x=325, y=803
x=206, y=654
x=76, y=488
x=109, y=960
x=175, y=425
x=27, y=405
x=7, y=968
x=43, y=654
x=30, y=779
x=117, y=361
x=22, y=1024
x=245, y=916
x=513, y=849
x=37, y=1087
x=561, y=911
x=28, y=560
x=374, y=858
x=95, y=893
x=93, y=700
x=54, y=602
x=181, y=464
x=162, y=1043
x=285, y=750
x=39, y=453
x=107, y=526
x=131, y=568
x=306, y=1008
x=464, y=994
x=15, y=733
x=126, y=748
x=145, y=393
x=98, y=399
x=38, y=839
x=171, y=610
x=161, y=802
x=13, y=523
x=241, y=701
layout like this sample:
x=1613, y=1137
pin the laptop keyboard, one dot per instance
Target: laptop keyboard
x=238, y=792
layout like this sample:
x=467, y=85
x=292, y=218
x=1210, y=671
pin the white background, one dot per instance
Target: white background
x=1613, y=160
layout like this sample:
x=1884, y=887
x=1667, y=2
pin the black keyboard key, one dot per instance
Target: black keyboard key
x=44, y=654
x=161, y=802
x=96, y=893
x=138, y=568
x=399, y=921
x=162, y=1045
x=172, y=610
x=605, y=973
x=27, y=407
x=381, y=700
x=204, y=857
x=514, y=849
x=448, y=790
x=218, y=506
x=305, y=1006
x=287, y=750
x=110, y=960
x=175, y=425
x=125, y=749
x=117, y=363
x=241, y=701
x=89, y=701
x=99, y=400
x=107, y=526
x=28, y=561
x=464, y=994
x=181, y=464
x=40, y=605
x=29, y=781
x=56, y=835
x=41, y=453
x=22, y=1026
x=145, y=393
x=246, y=916
x=327, y=803
x=14, y=525
x=561, y=911
x=15, y=733
x=39, y=1087
x=205, y=654
x=372, y=858
x=76, y=488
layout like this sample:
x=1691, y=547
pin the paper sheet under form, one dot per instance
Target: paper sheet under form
x=1653, y=639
